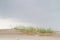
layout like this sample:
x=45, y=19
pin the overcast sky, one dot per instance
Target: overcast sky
x=39, y=12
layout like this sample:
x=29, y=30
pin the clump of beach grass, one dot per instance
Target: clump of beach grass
x=26, y=30
x=31, y=30
x=43, y=31
x=49, y=30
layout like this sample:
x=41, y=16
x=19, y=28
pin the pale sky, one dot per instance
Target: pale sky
x=45, y=13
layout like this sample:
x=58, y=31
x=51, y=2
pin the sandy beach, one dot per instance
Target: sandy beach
x=16, y=35
x=26, y=37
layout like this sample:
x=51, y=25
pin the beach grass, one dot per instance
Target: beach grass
x=32, y=30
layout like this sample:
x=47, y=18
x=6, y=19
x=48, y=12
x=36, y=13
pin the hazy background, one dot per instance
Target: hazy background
x=45, y=13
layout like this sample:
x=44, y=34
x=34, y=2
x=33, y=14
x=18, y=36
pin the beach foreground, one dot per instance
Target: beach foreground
x=26, y=37
x=11, y=34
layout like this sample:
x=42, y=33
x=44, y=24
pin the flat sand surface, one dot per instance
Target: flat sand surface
x=25, y=37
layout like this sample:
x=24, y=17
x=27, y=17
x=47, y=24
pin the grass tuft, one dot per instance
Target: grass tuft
x=32, y=30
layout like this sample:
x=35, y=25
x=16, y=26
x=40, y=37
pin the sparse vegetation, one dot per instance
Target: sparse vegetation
x=41, y=30
x=32, y=30
x=49, y=30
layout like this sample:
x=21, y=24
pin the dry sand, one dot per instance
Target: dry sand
x=25, y=37
x=16, y=35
